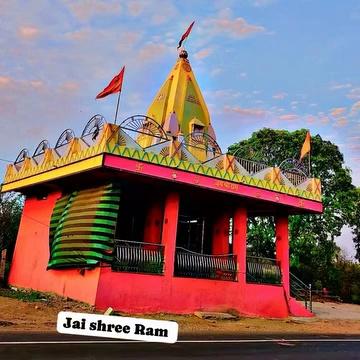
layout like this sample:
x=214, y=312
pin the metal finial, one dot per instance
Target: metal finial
x=183, y=54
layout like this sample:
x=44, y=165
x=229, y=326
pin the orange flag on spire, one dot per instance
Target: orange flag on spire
x=186, y=34
x=114, y=86
x=306, y=146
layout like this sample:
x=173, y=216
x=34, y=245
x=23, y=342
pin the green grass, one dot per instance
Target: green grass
x=23, y=295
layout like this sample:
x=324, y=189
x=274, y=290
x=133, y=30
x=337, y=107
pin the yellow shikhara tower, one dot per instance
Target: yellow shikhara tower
x=179, y=106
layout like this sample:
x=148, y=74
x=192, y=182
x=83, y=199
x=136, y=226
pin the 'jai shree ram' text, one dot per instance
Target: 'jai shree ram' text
x=99, y=325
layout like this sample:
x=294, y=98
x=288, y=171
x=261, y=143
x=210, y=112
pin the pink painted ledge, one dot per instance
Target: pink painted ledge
x=184, y=177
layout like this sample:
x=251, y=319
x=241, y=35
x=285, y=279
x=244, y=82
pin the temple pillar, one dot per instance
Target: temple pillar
x=282, y=250
x=171, y=212
x=220, y=235
x=153, y=221
x=239, y=242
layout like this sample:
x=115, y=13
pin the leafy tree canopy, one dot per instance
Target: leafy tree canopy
x=313, y=249
x=11, y=205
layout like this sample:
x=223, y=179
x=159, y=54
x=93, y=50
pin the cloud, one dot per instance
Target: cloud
x=311, y=119
x=289, y=117
x=4, y=81
x=202, y=54
x=85, y=10
x=234, y=27
x=216, y=71
x=355, y=108
x=336, y=112
x=135, y=8
x=340, y=86
x=246, y=112
x=28, y=32
x=324, y=119
x=341, y=122
x=262, y=3
x=70, y=86
x=152, y=51
x=168, y=12
x=280, y=96
x=354, y=94
x=37, y=84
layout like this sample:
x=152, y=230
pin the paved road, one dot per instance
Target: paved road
x=56, y=346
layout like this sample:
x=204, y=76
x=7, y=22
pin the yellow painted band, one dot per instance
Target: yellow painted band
x=65, y=170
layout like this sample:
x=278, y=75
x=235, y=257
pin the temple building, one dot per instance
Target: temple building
x=151, y=216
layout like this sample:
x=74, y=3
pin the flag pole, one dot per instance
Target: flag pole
x=117, y=107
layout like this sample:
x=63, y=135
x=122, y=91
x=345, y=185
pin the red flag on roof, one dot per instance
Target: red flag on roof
x=186, y=34
x=114, y=86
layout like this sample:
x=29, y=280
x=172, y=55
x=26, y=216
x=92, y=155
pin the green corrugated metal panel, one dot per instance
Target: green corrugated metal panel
x=82, y=227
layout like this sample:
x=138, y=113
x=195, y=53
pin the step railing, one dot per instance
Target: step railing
x=138, y=257
x=196, y=265
x=300, y=291
x=262, y=270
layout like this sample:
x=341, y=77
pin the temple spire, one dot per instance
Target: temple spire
x=180, y=98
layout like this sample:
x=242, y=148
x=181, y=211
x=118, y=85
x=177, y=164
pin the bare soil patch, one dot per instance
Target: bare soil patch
x=41, y=315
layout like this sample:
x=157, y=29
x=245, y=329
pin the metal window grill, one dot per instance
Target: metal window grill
x=262, y=270
x=139, y=257
x=195, y=265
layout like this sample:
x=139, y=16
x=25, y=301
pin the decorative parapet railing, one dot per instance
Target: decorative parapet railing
x=195, y=265
x=141, y=138
x=262, y=270
x=139, y=257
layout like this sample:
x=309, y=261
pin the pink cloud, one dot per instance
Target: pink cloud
x=135, y=7
x=246, y=112
x=151, y=51
x=311, y=119
x=336, y=112
x=280, y=96
x=28, y=32
x=237, y=27
x=4, y=81
x=355, y=108
x=341, y=122
x=288, y=117
x=70, y=86
x=202, y=54
x=85, y=10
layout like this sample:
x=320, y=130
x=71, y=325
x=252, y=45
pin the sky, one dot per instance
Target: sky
x=259, y=63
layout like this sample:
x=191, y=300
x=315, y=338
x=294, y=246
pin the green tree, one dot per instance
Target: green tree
x=312, y=237
x=11, y=205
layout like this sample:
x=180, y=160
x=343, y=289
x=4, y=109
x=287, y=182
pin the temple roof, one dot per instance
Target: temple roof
x=179, y=105
x=173, y=143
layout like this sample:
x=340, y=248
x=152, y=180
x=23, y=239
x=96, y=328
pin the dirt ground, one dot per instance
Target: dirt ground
x=331, y=310
x=18, y=315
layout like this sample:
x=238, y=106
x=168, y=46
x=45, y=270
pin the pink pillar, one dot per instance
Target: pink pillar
x=239, y=242
x=220, y=235
x=171, y=212
x=282, y=250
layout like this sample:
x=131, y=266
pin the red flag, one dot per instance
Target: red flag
x=186, y=34
x=114, y=86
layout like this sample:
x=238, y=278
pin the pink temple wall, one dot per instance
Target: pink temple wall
x=31, y=256
x=125, y=292
x=136, y=293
